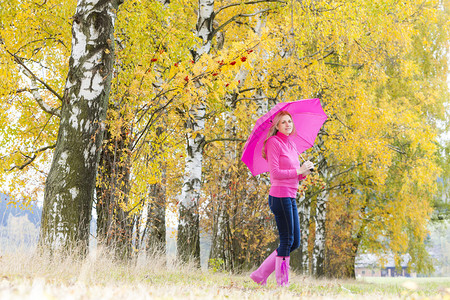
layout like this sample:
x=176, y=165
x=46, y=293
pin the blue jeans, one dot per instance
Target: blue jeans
x=286, y=217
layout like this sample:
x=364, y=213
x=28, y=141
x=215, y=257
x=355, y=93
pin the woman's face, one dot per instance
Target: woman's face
x=285, y=125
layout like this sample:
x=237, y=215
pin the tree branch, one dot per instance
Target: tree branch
x=246, y=3
x=42, y=129
x=321, y=58
x=310, y=196
x=356, y=66
x=41, y=40
x=18, y=91
x=236, y=17
x=345, y=171
x=222, y=140
x=249, y=98
x=396, y=149
x=19, y=61
x=317, y=52
x=31, y=158
x=44, y=106
x=321, y=10
x=150, y=121
x=247, y=90
x=345, y=125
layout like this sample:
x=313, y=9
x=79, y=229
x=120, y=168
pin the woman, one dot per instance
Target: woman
x=285, y=174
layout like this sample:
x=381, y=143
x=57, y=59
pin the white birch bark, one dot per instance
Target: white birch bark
x=304, y=216
x=223, y=246
x=319, y=241
x=204, y=26
x=71, y=181
x=188, y=240
x=260, y=96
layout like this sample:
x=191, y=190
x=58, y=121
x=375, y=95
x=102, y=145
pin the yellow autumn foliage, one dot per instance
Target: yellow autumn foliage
x=379, y=68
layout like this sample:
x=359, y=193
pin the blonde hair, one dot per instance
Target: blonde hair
x=273, y=129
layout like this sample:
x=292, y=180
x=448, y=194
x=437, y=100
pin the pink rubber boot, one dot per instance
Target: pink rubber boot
x=265, y=269
x=282, y=270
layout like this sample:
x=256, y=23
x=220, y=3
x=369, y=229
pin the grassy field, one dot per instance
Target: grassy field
x=28, y=276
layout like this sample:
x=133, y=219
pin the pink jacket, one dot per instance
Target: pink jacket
x=282, y=157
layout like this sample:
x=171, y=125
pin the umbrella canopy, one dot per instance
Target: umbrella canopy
x=308, y=117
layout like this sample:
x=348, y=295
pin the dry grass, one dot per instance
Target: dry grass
x=25, y=275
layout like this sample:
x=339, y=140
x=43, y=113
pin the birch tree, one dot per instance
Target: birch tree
x=318, y=257
x=304, y=219
x=70, y=183
x=130, y=179
x=188, y=240
x=235, y=204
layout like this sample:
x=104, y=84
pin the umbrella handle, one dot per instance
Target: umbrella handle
x=312, y=169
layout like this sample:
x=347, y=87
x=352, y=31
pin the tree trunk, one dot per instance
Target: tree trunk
x=70, y=183
x=225, y=245
x=114, y=227
x=260, y=96
x=188, y=240
x=318, y=255
x=304, y=218
x=354, y=250
x=319, y=241
x=218, y=225
x=351, y=266
x=341, y=257
x=156, y=217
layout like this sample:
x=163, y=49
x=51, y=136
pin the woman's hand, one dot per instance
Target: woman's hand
x=305, y=168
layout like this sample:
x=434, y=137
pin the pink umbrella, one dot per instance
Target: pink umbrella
x=308, y=117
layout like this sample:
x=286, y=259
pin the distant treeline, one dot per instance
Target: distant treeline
x=33, y=213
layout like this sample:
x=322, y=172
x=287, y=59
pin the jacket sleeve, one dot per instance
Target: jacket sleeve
x=273, y=150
